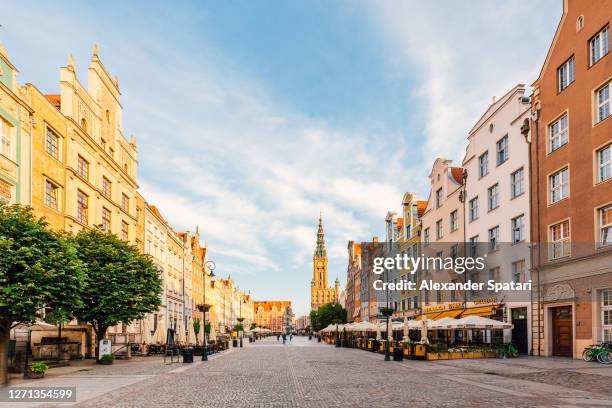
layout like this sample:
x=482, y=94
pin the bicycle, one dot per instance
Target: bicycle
x=601, y=353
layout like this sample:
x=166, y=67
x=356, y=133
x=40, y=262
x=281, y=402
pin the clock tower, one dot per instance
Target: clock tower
x=320, y=293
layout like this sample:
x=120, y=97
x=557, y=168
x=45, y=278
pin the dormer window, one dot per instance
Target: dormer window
x=580, y=23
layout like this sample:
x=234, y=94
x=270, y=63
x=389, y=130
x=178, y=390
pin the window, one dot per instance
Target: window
x=483, y=164
x=605, y=225
x=438, y=296
x=518, y=229
x=125, y=231
x=518, y=271
x=454, y=253
x=82, y=168
x=51, y=194
x=103, y=142
x=426, y=300
x=426, y=237
x=600, y=45
x=557, y=132
x=493, y=197
x=454, y=221
x=439, y=198
x=5, y=136
x=106, y=187
x=494, y=238
x=408, y=232
x=473, y=209
x=82, y=203
x=565, y=74
x=502, y=150
x=106, y=219
x=494, y=273
x=517, y=185
x=474, y=246
x=606, y=314
x=439, y=229
x=603, y=102
x=125, y=202
x=560, y=240
x=559, y=185
x=52, y=146
x=604, y=163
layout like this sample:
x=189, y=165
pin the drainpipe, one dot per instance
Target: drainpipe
x=525, y=132
x=536, y=118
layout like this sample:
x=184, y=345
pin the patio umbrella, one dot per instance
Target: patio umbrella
x=378, y=336
x=424, y=323
x=478, y=322
x=405, y=338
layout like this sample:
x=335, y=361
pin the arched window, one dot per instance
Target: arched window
x=84, y=124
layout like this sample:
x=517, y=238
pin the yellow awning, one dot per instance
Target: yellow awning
x=479, y=311
x=449, y=313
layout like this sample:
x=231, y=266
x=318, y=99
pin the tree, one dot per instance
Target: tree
x=39, y=269
x=326, y=315
x=253, y=326
x=196, y=329
x=121, y=284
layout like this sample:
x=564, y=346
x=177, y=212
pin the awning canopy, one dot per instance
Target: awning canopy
x=479, y=311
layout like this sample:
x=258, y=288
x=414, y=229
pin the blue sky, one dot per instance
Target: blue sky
x=251, y=116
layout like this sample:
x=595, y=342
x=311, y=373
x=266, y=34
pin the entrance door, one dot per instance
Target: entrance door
x=519, y=332
x=562, y=331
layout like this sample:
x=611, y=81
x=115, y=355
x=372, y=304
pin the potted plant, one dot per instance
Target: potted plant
x=36, y=370
x=107, y=359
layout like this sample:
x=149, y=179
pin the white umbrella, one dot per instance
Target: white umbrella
x=442, y=323
x=378, y=336
x=405, y=329
x=478, y=322
x=424, y=338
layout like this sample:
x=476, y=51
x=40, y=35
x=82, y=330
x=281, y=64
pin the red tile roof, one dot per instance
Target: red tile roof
x=54, y=99
x=457, y=173
x=421, y=207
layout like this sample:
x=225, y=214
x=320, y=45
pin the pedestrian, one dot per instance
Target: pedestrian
x=291, y=337
x=284, y=338
x=277, y=337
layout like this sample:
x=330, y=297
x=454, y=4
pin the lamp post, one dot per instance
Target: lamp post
x=210, y=265
x=240, y=319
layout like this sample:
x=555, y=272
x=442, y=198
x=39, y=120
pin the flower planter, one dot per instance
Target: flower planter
x=34, y=375
x=437, y=356
x=455, y=355
x=490, y=354
x=478, y=354
x=468, y=354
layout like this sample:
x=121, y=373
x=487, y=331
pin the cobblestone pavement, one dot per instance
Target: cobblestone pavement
x=308, y=374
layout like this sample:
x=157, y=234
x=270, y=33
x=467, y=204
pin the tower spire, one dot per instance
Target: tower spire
x=320, y=249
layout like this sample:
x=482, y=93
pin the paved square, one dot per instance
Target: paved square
x=305, y=373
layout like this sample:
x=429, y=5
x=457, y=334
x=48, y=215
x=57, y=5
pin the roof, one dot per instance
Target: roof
x=495, y=105
x=157, y=213
x=421, y=207
x=457, y=173
x=54, y=99
x=268, y=304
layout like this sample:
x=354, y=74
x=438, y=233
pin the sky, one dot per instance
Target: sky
x=253, y=116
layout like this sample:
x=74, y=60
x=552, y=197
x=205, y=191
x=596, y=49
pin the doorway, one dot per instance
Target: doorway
x=519, y=332
x=562, y=331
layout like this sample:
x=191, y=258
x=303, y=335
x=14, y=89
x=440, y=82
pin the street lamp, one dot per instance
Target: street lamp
x=240, y=319
x=210, y=265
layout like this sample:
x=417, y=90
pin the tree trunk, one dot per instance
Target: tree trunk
x=100, y=333
x=5, y=335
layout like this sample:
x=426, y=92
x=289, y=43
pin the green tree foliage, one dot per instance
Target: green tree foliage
x=121, y=284
x=38, y=268
x=326, y=315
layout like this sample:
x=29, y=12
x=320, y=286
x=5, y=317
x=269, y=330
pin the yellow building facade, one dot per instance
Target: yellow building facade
x=15, y=141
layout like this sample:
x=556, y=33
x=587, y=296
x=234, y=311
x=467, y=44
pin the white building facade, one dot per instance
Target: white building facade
x=497, y=205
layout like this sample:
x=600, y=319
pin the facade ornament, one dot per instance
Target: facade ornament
x=561, y=291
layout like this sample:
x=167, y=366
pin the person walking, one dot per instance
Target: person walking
x=277, y=337
x=284, y=338
x=291, y=337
